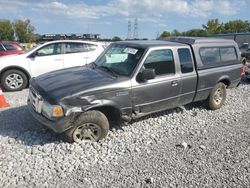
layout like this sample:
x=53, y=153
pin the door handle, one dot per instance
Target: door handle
x=174, y=83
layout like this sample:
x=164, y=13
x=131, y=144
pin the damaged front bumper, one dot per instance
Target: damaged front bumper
x=60, y=125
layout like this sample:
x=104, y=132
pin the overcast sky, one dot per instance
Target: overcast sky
x=110, y=17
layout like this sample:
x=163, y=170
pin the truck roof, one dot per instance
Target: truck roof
x=176, y=41
x=199, y=40
x=150, y=43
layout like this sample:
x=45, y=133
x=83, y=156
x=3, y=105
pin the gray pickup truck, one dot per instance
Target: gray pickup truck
x=131, y=79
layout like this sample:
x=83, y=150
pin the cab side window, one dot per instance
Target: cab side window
x=51, y=49
x=185, y=60
x=162, y=61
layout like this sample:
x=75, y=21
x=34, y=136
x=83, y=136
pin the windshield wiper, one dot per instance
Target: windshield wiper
x=108, y=69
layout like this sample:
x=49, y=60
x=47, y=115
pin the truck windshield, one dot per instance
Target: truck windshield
x=120, y=59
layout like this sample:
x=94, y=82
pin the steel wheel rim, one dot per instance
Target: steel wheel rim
x=218, y=96
x=14, y=81
x=87, y=131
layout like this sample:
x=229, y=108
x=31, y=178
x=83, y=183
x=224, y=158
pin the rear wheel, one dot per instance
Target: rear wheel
x=14, y=80
x=91, y=125
x=217, y=96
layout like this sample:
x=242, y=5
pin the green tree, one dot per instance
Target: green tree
x=37, y=37
x=236, y=26
x=116, y=38
x=248, y=26
x=175, y=32
x=6, y=30
x=213, y=26
x=165, y=34
x=24, y=31
x=195, y=33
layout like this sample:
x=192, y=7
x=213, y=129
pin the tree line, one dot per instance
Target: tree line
x=212, y=27
x=19, y=30
x=23, y=31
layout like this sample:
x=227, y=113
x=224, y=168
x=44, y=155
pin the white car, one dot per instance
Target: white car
x=16, y=70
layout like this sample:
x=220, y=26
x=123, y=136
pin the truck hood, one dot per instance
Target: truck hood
x=57, y=85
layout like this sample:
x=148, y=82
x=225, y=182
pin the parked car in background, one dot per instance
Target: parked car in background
x=10, y=48
x=15, y=71
x=246, y=72
x=245, y=51
x=246, y=54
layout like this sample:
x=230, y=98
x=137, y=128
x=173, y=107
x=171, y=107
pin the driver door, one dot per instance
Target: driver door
x=163, y=91
x=46, y=59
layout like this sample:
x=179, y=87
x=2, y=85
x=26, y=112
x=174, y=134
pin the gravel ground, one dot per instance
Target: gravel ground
x=184, y=147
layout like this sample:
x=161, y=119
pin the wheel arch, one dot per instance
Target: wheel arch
x=111, y=112
x=80, y=105
x=225, y=80
x=15, y=68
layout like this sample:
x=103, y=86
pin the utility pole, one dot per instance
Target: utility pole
x=136, y=29
x=129, y=34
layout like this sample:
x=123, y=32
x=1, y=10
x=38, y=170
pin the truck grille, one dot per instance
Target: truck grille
x=35, y=100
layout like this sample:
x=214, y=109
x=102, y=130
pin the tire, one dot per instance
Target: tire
x=217, y=97
x=14, y=80
x=91, y=125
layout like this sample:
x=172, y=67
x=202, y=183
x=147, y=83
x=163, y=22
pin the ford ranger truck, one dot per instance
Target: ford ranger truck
x=131, y=79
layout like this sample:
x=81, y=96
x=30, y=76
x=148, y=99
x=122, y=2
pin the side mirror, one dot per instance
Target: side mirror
x=147, y=74
x=34, y=54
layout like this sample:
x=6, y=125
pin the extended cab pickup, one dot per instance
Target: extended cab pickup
x=131, y=79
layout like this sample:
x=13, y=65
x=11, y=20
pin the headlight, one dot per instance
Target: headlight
x=52, y=111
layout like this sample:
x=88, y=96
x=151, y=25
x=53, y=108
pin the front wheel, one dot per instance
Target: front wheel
x=217, y=96
x=14, y=80
x=91, y=125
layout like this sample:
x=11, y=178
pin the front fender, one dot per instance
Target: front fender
x=84, y=104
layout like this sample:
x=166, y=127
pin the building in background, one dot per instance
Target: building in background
x=243, y=39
